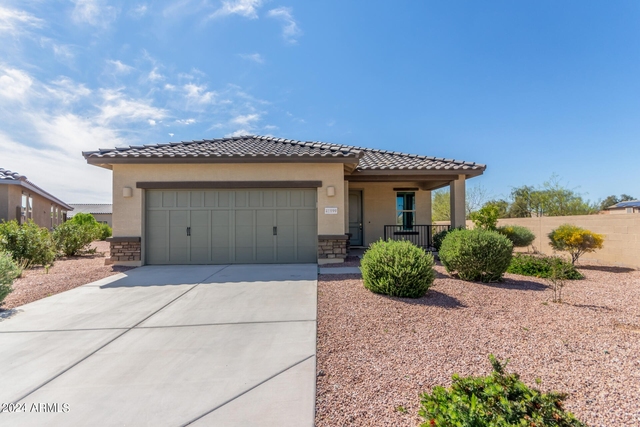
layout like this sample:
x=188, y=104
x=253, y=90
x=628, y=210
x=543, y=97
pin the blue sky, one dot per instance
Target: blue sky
x=529, y=88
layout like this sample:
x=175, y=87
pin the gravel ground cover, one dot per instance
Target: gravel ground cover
x=376, y=354
x=350, y=261
x=66, y=273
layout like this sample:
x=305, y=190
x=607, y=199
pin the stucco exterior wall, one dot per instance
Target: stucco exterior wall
x=621, y=235
x=11, y=200
x=379, y=207
x=128, y=213
x=104, y=218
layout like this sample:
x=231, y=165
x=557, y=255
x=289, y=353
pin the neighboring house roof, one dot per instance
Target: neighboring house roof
x=10, y=177
x=263, y=148
x=627, y=204
x=92, y=208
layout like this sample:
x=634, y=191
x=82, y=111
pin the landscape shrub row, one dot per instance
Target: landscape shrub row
x=30, y=245
x=542, y=266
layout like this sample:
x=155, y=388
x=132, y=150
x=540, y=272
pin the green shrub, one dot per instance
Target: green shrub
x=9, y=271
x=521, y=237
x=73, y=238
x=542, y=266
x=497, y=400
x=438, y=238
x=28, y=243
x=575, y=240
x=476, y=254
x=84, y=219
x=397, y=268
x=486, y=217
x=105, y=231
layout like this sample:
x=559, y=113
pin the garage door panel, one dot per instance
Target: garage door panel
x=231, y=226
x=168, y=199
x=307, y=217
x=199, y=240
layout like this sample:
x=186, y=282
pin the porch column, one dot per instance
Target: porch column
x=457, y=202
x=428, y=218
x=346, y=206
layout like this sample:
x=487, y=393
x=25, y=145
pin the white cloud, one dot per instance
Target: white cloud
x=13, y=21
x=138, y=11
x=186, y=121
x=245, y=120
x=246, y=8
x=255, y=57
x=290, y=28
x=151, y=122
x=198, y=94
x=93, y=12
x=240, y=132
x=271, y=127
x=154, y=76
x=119, y=67
x=116, y=107
x=14, y=84
x=66, y=90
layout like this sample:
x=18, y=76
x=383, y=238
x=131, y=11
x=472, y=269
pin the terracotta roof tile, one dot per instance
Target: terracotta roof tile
x=266, y=146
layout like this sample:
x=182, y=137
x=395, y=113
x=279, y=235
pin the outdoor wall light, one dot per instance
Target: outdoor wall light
x=331, y=191
x=127, y=192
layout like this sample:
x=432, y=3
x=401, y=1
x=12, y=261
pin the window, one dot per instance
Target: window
x=24, y=207
x=30, y=207
x=406, y=210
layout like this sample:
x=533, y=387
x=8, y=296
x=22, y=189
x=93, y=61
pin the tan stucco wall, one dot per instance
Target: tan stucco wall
x=11, y=199
x=103, y=218
x=128, y=213
x=621, y=235
x=379, y=207
x=4, y=203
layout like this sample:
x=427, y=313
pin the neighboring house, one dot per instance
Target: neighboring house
x=631, y=206
x=102, y=212
x=21, y=199
x=258, y=199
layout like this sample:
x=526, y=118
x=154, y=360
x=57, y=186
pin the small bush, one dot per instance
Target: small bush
x=575, y=240
x=9, y=271
x=28, y=243
x=521, y=237
x=105, y=231
x=84, y=219
x=476, y=254
x=397, y=268
x=73, y=238
x=486, y=217
x=497, y=400
x=542, y=266
x=438, y=238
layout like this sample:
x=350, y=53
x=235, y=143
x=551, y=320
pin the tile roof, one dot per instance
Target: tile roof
x=92, y=208
x=627, y=204
x=251, y=146
x=7, y=176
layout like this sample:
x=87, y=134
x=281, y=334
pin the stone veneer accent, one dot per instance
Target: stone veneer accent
x=332, y=246
x=125, y=248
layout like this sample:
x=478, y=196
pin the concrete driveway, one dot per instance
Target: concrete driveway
x=167, y=346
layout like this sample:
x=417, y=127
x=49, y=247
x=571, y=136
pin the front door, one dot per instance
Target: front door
x=355, y=217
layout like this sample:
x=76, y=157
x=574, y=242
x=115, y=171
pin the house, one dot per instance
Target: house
x=260, y=199
x=21, y=199
x=102, y=212
x=631, y=206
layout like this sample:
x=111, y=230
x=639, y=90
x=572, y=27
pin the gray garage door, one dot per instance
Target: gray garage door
x=231, y=226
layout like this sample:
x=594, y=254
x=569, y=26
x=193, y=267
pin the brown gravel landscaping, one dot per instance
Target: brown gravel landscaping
x=66, y=273
x=376, y=354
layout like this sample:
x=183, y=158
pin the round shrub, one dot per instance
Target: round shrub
x=73, y=238
x=28, y=243
x=521, y=237
x=105, y=231
x=476, y=254
x=438, y=238
x=397, y=268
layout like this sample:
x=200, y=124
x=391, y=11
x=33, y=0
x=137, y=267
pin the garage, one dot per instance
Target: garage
x=230, y=226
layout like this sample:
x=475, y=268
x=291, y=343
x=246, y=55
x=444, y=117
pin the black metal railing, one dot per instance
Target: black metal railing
x=419, y=235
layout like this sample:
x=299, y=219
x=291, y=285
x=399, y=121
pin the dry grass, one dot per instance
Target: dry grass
x=377, y=353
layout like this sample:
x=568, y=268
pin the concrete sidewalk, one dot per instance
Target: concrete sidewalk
x=167, y=346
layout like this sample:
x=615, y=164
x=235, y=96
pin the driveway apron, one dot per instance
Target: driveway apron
x=166, y=346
